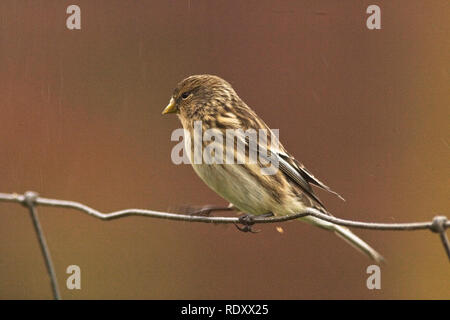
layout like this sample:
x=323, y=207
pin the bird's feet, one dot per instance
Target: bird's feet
x=247, y=221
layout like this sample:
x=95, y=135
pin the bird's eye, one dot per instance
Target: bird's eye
x=185, y=95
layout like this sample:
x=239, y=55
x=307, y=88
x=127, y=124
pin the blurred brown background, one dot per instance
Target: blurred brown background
x=366, y=111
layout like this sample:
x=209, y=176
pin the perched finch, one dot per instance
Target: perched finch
x=212, y=102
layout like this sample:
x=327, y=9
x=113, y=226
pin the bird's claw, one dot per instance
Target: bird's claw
x=247, y=222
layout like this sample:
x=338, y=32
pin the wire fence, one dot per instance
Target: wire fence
x=31, y=200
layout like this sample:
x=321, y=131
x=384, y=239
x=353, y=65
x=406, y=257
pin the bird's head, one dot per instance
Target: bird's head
x=201, y=97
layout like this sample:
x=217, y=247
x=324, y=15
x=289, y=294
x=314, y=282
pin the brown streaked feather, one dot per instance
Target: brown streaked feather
x=292, y=168
x=307, y=175
x=290, y=172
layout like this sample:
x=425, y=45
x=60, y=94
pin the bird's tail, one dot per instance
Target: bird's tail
x=348, y=236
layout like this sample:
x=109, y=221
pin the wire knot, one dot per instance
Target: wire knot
x=30, y=198
x=438, y=224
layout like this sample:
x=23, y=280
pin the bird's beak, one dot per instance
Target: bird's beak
x=171, y=108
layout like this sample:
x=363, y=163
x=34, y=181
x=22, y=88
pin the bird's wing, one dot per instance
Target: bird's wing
x=305, y=174
x=293, y=169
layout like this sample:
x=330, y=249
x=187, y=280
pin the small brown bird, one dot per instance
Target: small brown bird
x=211, y=102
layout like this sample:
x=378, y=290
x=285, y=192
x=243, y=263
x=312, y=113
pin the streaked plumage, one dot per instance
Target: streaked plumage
x=214, y=102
